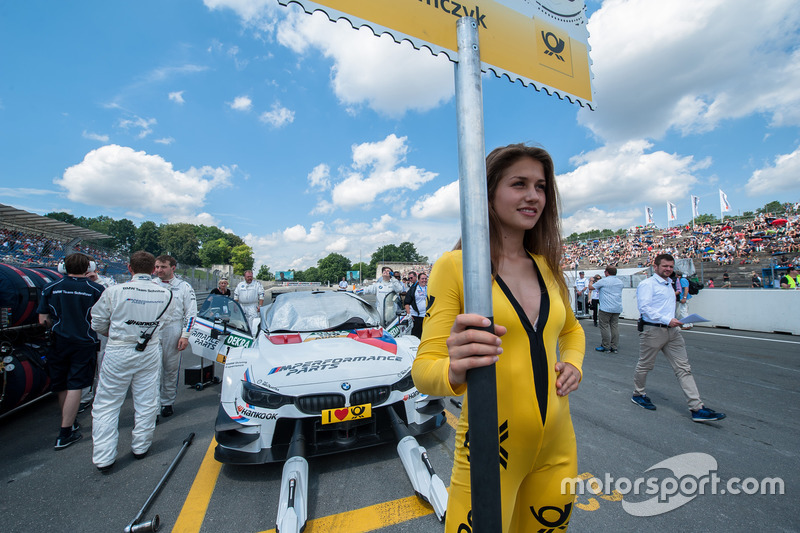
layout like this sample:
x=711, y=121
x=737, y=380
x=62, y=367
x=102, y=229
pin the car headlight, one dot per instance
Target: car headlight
x=405, y=383
x=260, y=397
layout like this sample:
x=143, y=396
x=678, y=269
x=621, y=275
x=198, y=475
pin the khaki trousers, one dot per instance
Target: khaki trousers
x=609, y=329
x=670, y=341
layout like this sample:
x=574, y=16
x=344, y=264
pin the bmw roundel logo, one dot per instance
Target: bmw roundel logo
x=345, y=386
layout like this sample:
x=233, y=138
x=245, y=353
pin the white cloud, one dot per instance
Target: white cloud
x=389, y=78
x=118, y=176
x=320, y=177
x=177, y=97
x=241, y=103
x=279, y=116
x=444, y=203
x=689, y=66
x=298, y=233
x=377, y=172
x=95, y=136
x=165, y=140
x=338, y=245
x=595, y=218
x=144, y=125
x=622, y=175
x=783, y=176
x=259, y=15
x=22, y=192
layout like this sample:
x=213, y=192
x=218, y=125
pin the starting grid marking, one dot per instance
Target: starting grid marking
x=363, y=520
x=191, y=517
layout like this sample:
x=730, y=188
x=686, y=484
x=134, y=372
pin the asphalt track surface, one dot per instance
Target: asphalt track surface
x=750, y=376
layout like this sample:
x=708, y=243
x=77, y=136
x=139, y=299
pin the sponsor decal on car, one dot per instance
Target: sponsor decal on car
x=237, y=341
x=330, y=364
x=344, y=414
x=245, y=413
x=202, y=340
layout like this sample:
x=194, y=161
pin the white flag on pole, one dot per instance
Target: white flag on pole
x=648, y=216
x=724, y=206
x=672, y=211
x=695, y=206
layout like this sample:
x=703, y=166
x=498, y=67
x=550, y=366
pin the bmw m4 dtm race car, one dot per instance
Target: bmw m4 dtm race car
x=317, y=373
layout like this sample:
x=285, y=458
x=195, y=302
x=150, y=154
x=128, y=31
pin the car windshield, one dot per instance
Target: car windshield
x=318, y=311
x=218, y=308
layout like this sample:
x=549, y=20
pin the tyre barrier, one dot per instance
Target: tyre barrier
x=23, y=374
x=20, y=288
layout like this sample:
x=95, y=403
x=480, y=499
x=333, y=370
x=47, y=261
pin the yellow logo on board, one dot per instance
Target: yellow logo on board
x=554, y=48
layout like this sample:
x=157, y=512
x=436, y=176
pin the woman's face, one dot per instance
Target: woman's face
x=223, y=285
x=520, y=195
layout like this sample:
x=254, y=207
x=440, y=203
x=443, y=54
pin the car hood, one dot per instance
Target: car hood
x=293, y=363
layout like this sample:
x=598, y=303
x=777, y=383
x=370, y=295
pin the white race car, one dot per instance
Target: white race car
x=316, y=373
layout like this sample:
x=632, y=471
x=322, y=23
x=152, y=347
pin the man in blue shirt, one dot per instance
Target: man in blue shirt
x=610, y=289
x=65, y=306
x=659, y=331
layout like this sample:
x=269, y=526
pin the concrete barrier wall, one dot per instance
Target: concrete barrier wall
x=766, y=310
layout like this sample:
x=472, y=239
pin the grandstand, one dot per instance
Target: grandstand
x=36, y=241
x=739, y=247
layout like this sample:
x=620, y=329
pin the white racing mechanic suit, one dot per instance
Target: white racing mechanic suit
x=175, y=324
x=87, y=394
x=123, y=313
x=248, y=297
x=382, y=288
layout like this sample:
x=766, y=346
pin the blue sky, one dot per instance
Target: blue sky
x=307, y=137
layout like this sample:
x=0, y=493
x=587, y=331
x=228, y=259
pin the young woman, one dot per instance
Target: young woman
x=532, y=314
x=222, y=288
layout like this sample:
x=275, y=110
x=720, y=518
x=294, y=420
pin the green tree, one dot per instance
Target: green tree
x=265, y=274
x=101, y=224
x=147, y=238
x=410, y=254
x=773, y=207
x=391, y=253
x=62, y=216
x=241, y=259
x=333, y=267
x=308, y=275
x=363, y=268
x=706, y=218
x=179, y=241
x=215, y=252
x=124, y=234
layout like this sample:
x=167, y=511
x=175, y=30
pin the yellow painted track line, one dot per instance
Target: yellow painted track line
x=369, y=518
x=194, y=508
x=362, y=520
x=451, y=418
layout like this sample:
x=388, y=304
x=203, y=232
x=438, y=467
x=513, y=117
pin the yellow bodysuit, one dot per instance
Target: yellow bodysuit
x=537, y=441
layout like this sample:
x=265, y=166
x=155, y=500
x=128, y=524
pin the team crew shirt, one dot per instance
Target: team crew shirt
x=537, y=441
x=68, y=301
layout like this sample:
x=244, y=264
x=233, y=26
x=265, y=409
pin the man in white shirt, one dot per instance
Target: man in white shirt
x=176, y=325
x=250, y=295
x=581, y=293
x=659, y=330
